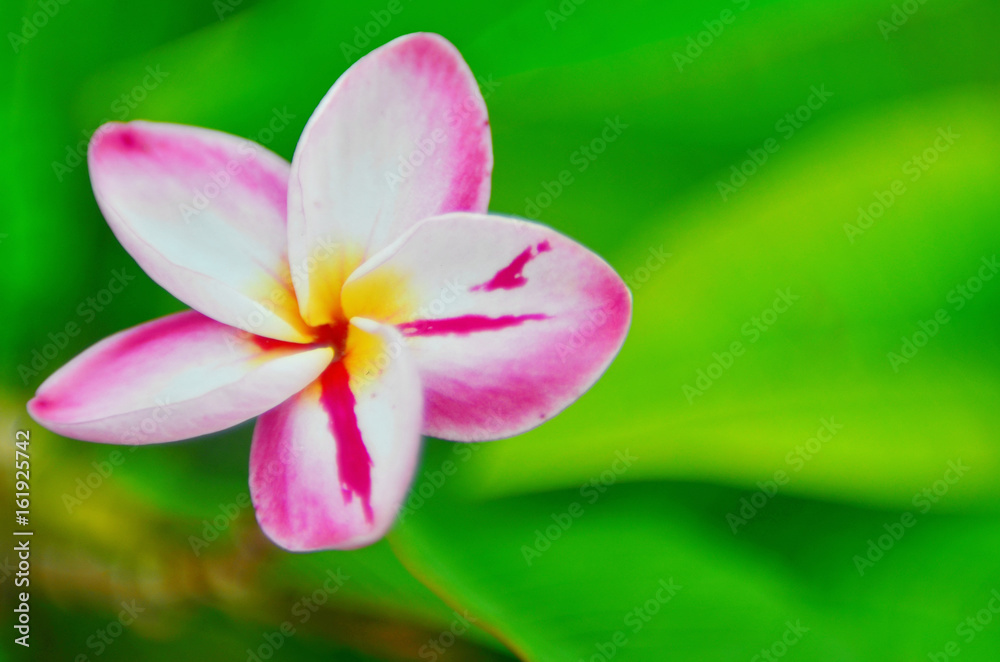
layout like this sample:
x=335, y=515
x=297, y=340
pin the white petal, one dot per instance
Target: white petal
x=509, y=321
x=203, y=213
x=401, y=136
x=180, y=376
x=330, y=468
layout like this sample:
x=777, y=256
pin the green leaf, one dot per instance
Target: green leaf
x=828, y=355
x=568, y=575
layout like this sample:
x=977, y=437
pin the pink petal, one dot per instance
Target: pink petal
x=180, y=376
x=401, y=136
x=330, y=467
x=203, y=213
x=509, y=321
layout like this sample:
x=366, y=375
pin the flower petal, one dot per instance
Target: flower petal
x=203, y=213
x=330, y=467
x=509, y=321
x=180, y=376
x=401, y=136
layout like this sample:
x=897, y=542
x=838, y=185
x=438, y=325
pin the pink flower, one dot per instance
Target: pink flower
x=353, y=300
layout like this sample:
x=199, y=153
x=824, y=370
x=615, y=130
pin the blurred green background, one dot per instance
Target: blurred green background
x=807, y=403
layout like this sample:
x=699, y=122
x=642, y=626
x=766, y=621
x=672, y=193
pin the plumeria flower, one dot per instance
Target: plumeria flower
x=352, y=300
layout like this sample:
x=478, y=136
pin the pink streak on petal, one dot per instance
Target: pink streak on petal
x=268, y=343
x=158, y=150
x=511, y=277
x=129, y=140
x=353, y=461
x=173, y=325
x=267, y=470
x=177, y=377
x=465, y=324
x=473, y=160
x=183, y=324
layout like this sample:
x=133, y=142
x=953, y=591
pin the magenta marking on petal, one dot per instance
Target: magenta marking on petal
x=353, y=462
x=273, y=345
x=429, y=57
x=119, y=139
x=128, y=139
x=188, y=322
x=40, y=405
x=193, y=157
x=510, y=277
x=465, y=324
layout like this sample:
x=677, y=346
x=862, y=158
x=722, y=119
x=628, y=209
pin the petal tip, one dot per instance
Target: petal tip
x=117, y=136
x=37, y=408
